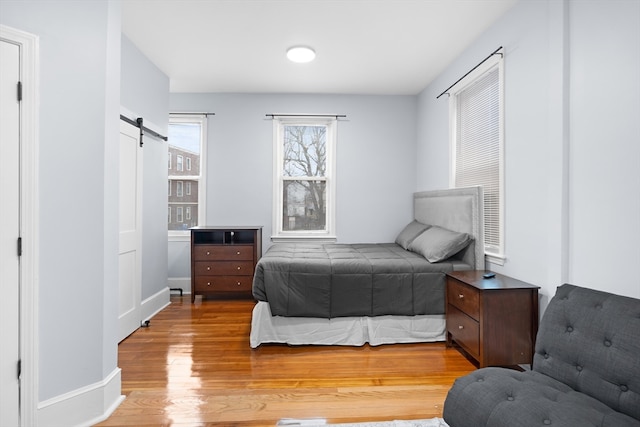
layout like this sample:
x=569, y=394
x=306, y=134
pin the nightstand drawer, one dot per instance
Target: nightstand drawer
x=464, y=330
x=223, y=284
x=223, y=268
x=465, y=298
x=220, y=252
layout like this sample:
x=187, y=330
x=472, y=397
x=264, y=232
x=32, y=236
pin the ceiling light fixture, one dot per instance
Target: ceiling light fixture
x=301, y=54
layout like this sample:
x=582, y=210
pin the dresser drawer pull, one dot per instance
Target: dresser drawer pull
x=239, y=284
x=238, y=253
x=238, y=268
x=460, y=327
x=208, y=283
x=208, y=253
x=208, y=268
x=461, y=296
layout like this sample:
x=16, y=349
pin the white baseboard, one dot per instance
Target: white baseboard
x=183, y=283
x=154, y=304
x=83, y=407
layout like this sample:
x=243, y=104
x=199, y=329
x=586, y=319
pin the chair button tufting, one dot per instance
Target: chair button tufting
x=546, y=355
x=578, y=368
x=569, y=329
x=480, y=380
x=607, y=343
x=624, y=388
x=510, y=398
x=546, y=422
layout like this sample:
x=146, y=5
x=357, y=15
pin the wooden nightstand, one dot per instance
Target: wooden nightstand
x=223, y=260
x=494, y=320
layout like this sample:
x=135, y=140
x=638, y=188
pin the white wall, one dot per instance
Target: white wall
x=79, y=97
x=605, y=144
x=145, y=93
x=571, y=215
x=375, y=164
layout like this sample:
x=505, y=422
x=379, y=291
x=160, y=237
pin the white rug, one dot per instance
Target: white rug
x=433, y=422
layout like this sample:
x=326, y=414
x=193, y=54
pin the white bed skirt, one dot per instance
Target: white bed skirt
x=353, y=331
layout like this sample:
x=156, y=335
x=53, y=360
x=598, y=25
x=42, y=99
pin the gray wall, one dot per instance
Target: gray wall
x=375, y=164
x=572, y=164
x=78, y=188
x=145, y=93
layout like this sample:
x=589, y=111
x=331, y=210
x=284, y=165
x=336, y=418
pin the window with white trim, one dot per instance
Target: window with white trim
x=477, y=141
x=187, y=139
x=304, y=178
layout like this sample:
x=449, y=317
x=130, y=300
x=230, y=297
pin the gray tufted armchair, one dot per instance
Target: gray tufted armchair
x=586, y=370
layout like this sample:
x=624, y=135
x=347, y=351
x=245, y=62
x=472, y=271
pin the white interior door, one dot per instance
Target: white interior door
x=9, y=234
x=130, y=282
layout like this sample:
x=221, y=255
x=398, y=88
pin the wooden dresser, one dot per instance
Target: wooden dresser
x=495, y=321
x=223, y=260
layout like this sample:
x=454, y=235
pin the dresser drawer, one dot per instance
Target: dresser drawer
x=465, y=298
x=223, y=268
x=220, y=252
x=206, y=284
x=464, y=330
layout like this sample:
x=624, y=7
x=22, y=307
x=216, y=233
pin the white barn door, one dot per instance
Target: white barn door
x=130, y=282
x=9, y=234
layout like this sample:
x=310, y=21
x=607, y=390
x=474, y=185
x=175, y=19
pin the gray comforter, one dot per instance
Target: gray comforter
x=335, y=280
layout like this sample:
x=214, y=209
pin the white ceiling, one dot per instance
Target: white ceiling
x=389, y=47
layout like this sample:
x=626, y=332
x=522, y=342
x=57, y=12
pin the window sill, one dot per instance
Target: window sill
x=304, y=239
x=180, y=237
x=495, y=259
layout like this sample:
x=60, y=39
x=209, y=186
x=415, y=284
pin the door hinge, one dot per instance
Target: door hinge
x=19, y=368
x=19, y=246
x=19, y=91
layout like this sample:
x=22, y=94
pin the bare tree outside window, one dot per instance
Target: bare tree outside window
x=304, y=178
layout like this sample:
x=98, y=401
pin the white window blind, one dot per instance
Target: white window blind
x=478, y=149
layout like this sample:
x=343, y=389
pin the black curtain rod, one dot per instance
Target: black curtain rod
x=139, y=123
x=337, y=116
x=186, y=113
x=495, y=52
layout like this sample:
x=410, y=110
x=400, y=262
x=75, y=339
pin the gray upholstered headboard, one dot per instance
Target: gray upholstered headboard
x=457, y=209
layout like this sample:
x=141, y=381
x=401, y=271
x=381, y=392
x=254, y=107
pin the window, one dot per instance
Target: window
x=304, y=182
x=476, y=115
x=187, y=137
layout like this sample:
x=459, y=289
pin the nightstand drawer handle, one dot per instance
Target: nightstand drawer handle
x=208, y=268
x=460, y=327
x=238, y=253
x=461, y=296
x=238, y=268
x=208, y=283
x=208, y=253
x=239, y=283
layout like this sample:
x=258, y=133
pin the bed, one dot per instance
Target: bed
x=382, y=293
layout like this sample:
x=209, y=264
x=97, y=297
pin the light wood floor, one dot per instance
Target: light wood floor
x=193, y=367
